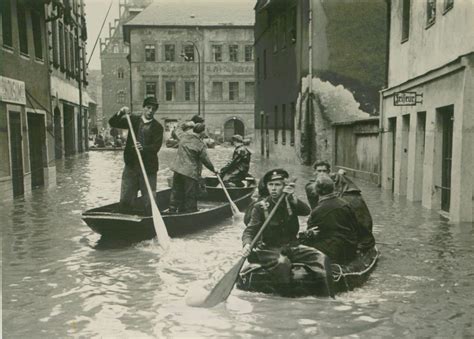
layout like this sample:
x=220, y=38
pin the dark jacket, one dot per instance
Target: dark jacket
x=337, y=226
x=150, y=135
x=283, y=227
x=240, y=163
x=191, y=155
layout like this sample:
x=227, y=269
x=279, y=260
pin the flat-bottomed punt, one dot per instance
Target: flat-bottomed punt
x=112, y=224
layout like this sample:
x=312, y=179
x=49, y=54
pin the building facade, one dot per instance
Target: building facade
x=67, y=35
x=317, y=62
x=427, y=110
x=26, y=133
x=195, y=62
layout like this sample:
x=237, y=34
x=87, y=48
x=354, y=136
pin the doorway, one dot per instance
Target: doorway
x=233, y=126
x=36, y=138
x=58, y=138
x=392, y=128
x=69, y=135
x=447, y=119
x=16, y=149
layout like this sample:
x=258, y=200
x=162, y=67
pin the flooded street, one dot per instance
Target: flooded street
x=59, y=281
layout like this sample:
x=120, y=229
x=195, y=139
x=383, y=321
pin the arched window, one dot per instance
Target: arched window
x=120, y=73
x=121, y=97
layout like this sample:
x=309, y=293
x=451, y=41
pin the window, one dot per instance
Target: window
x=126, y=49
x=22, y=32
x=292, y=25
x=233, y=91
x=275, y=28
x=115, y=49
x=257, y=70
x=54, y=28
x=217, y=52
x=275, y=125
x=150, y=89
x=248, y=53
x=406, y=20
x=216, y=93
x=430, y=12
x=71, y=53
x=66, y=50
x=170, y=90
x=189, y=52
x=6, y=9
x=264, y=64
x=233, y=53
x=120, y=74
x=249, y=91
x=448, y=4
x=149, y=52
x=77, y=58
x=62, y=55
x=292, y=124
x=121, y=97
x=283, y=124
x=170, y=53
x=189, y=91
x=283, y=31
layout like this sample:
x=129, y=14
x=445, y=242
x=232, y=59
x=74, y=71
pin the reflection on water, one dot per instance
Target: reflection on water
x=60, y=279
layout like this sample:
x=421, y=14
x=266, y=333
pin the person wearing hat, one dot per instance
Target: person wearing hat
x=186, y=127
x=346, y=189
x=187, y=168
x=149, y=134
x=278, y=246
x=237, y=169
x=332, y=225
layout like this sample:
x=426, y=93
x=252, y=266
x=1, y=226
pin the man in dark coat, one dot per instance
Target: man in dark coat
x=236, y=170
x=187, y=168
x=348, y=191
x=278, y=247
x=149, y=134
x=332, y=225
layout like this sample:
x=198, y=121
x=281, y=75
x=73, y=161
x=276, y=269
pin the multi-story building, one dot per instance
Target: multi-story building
x=67, y=35
x=427, y=109
x=196, y=57
x=115, y=67
x=94, y=89
x=26, y=133
x=317, y=62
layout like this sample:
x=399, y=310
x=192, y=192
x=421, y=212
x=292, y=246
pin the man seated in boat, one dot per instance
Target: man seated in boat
x=278, y=247
x=346, y=189
x=149, y=134
x=332, y=225
x=187, y=167
x=236, y=170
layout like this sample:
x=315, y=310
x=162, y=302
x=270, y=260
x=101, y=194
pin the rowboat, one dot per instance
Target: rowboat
x=304, y=282
x=111, y=223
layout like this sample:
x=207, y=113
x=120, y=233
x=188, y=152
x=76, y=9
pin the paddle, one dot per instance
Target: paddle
x=160, y=227
x=233, y=206
x=222, y=290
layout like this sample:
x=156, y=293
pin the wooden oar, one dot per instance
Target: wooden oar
x=233, y=206
x=222, y=290
x=160, y=227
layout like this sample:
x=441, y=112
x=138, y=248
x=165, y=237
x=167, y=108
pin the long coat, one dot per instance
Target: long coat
x=191, y=155
x=149, y=135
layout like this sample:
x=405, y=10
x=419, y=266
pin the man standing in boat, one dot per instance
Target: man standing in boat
x=278, y=247
x=149, y=134
x=187, y=168
x=236, y=170
x=348, y=191
x=332, y=225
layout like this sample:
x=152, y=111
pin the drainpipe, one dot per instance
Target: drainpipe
x=310, y=79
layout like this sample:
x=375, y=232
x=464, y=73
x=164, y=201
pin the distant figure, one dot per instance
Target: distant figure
x=187, y=168
x=149, y=134
x=99, y=141
x=347, y=190
x=236, y=170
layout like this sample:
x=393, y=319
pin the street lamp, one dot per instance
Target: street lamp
x=199, y=72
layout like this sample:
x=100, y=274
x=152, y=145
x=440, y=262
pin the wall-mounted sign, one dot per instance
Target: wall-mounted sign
x=12, y=91
x=407, y=99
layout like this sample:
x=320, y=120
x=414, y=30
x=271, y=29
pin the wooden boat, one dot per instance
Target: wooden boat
x=109, y=222
x=304, y=282
x=105, y=149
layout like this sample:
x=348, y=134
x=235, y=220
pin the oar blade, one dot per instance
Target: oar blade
x=224, y=287
x=160, y=228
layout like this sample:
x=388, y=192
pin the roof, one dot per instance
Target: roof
x=196, y=13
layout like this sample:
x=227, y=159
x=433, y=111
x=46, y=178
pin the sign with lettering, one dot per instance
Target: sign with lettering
x=12, y=91
x=406, y=99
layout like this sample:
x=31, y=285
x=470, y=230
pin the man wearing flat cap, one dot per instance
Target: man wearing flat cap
x=236, y=170
x=187, y=168
x=186, y=127
x=278, y=247
x=149, y=134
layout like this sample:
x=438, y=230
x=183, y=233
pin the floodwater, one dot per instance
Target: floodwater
x=59, y=280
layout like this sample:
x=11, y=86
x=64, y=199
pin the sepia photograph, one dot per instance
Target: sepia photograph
x=237, y=169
